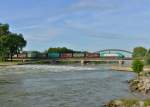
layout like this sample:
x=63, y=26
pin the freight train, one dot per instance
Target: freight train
x=55, y=55
x=31, y=55
x=73, y=55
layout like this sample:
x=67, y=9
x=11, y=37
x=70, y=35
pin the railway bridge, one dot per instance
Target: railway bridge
x=106, y=56
x=116, y=52
x=85, y=60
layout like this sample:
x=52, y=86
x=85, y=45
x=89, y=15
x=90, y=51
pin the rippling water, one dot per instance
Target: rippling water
x=61, y=86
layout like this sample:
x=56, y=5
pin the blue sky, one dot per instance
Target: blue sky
x=79, y=24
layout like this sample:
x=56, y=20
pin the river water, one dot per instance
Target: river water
x=61, y=86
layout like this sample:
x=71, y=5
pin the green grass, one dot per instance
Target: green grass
x=129, y=103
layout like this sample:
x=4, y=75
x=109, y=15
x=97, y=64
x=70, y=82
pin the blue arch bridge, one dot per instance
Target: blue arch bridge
x=124, y=54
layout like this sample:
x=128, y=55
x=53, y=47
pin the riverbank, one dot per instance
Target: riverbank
x=129, y=103
x=8, y=63
x=139, y=85
x=128, y=68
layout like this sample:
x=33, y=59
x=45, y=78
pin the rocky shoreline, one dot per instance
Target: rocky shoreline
x=140, y=84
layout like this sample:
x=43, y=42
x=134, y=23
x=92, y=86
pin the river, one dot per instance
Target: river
x=61, y=86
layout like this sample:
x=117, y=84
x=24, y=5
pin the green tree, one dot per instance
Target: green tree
x=15, y=43
x=60, y=50
x=10, y=43
x=139, y=52
x=147, y=57
x=137, y=66
x=4, y=29
x=3, y=48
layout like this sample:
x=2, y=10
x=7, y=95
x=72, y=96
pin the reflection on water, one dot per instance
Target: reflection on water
x=61, y=86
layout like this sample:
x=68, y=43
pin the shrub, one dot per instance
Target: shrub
x=147, y=58
x=139, y=52
x=137, y=66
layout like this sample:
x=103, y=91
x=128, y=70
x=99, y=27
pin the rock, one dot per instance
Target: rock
x=115, y=103
x=118, y=102
x=141, y=103
x=140, y=84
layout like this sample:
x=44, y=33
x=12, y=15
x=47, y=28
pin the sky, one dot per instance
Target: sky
x=90, y=25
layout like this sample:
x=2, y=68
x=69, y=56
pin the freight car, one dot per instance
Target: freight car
x=92, y=55
x=44, y=55
x=78, y=55
x=22, y=55
x=41, y=55
x=66, y=55
x=32, y=54
x=53, y=55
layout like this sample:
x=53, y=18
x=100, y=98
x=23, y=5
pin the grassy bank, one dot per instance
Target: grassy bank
x=128, y=68
x=129, y=103
x=8, y=63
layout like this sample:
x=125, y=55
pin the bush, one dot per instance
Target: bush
x=139, y=52
x=147, y=58
x=137, y=66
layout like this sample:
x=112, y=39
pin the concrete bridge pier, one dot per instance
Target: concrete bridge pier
x=121, y=62
x=82, y=62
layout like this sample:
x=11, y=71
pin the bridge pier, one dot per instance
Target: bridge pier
x=121, y=62
x=82, y=62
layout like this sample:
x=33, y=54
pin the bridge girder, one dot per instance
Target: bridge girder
x=116, y=50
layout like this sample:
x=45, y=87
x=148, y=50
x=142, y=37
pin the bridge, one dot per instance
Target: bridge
x=88, y=60
x=117, y=52
x=124, y=57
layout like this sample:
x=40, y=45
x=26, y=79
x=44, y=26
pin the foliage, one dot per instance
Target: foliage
x=137, y=66
x=147, y=57
x=4, y=29
x=60, y=50
x=128, y=103
x=10, y=43
x=139, y=52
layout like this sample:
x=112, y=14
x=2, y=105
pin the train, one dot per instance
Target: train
x=56, y=55
x=31, y=55
x=73, y=55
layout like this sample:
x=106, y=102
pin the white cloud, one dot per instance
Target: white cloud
x=42, y=35
x=94, y=32
x=100, y=5
x=27, y=27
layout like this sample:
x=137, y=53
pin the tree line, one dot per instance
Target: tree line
x=10, y=43
x=141, y=53
x=63, y=50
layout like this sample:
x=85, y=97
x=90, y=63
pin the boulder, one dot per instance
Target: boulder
x=141, y=84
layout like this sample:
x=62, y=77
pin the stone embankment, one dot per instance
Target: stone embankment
x=140, y=84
